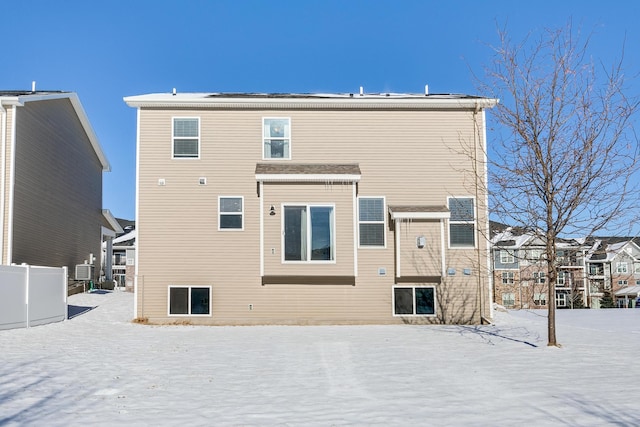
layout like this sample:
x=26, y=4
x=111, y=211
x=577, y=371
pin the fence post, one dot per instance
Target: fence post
x=65, y=291
x=27, y=292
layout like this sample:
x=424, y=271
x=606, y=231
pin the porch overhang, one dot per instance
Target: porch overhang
x=419, y=212
x=308, y=172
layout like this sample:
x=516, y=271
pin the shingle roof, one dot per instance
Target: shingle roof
x=307, y=169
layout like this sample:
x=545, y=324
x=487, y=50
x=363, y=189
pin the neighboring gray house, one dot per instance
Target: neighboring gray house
x=51, y=166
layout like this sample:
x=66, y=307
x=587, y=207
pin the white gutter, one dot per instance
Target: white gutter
x=204, y=100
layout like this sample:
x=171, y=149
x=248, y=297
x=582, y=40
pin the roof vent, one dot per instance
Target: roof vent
x=33, y=86
x=173, y=92
x=426, y=90
x=361, y=90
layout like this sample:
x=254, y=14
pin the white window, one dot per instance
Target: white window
x=561, y=278
x=231, y=213
x=276, y=137
x=186, y=137
x=462, y=226
x=507, y=277
x=506, y=257
x=308, y=233
x=540, y=298
x=414, y=301
x=622, y=267
x=539, y=277
x=535, y=254
x=189, y=300
x=371, y=221
x=636, y=268
x=508, y=299
x=561, y=300
x=622, y=283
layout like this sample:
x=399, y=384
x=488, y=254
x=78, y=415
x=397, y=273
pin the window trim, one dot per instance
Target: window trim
x=509, y=256
x=333, y=236
x=173, y=138
x=220, y=213
x=513, y=299
x=413, y=300
x=511, y=278
x=384, y=222
x=622, y=267
x=474, y=223
x=210, y=314
x=263, y=139
x=539, y=277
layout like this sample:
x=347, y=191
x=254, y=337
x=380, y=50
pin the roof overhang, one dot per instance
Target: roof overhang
x=310, y=101
x=424, y=212
x=20, y=100
x=112, y=221
x=307, y=172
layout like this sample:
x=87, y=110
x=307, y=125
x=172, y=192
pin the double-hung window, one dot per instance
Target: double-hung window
x=507, y=278
x=414, y=301
x=506, y=257
x=189, y=300
x=508, y=299
x=540, y=298
x=186, y=137
x=539, y=277
x=231, y=213
x=276, y=137
x=309, y=233
x=371, y=221
x=622, y=267
x=462, y=228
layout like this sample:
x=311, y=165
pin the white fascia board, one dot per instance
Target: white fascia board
x=307, y=178
x=202, y=100
x=115, y=225
x=420, y=215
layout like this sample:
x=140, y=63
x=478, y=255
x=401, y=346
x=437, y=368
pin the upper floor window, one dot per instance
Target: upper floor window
x=622, y=267
x=539, y=277
x=462, y=228
x=186, y=137
x=507, y=278
x=230, y=213
x=309, y=233
x=371, y=221
x=506, y=257
x=276, y=135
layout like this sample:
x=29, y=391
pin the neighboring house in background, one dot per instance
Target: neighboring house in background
x=123, y=259
x=587, y=270
x=519, y=271
x=613, y=266
x=50, y=182
x=311, y=208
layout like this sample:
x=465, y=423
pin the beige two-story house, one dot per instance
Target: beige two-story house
x=311, y=208
x=51, y=166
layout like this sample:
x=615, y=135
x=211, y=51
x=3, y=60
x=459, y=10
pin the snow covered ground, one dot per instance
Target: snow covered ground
x=100, y=369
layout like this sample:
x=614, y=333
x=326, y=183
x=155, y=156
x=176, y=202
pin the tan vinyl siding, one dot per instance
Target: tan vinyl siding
x=58, y=187
x=408, y=157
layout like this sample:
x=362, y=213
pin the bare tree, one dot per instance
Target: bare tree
x=566, y=155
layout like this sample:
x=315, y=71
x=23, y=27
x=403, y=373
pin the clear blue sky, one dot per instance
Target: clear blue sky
x=105, y=50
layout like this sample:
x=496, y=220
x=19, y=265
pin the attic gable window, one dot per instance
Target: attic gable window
x=186, y=137
x=276, y=138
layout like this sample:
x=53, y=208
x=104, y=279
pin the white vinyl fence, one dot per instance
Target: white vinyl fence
x=31, y=295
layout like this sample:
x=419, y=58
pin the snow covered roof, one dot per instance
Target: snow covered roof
x=632, y=291
x=309, y=100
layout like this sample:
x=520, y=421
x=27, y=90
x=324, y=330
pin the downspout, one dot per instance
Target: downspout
x=136, y=267
x=3, y=170
x=12, y=183
x=482, y=134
